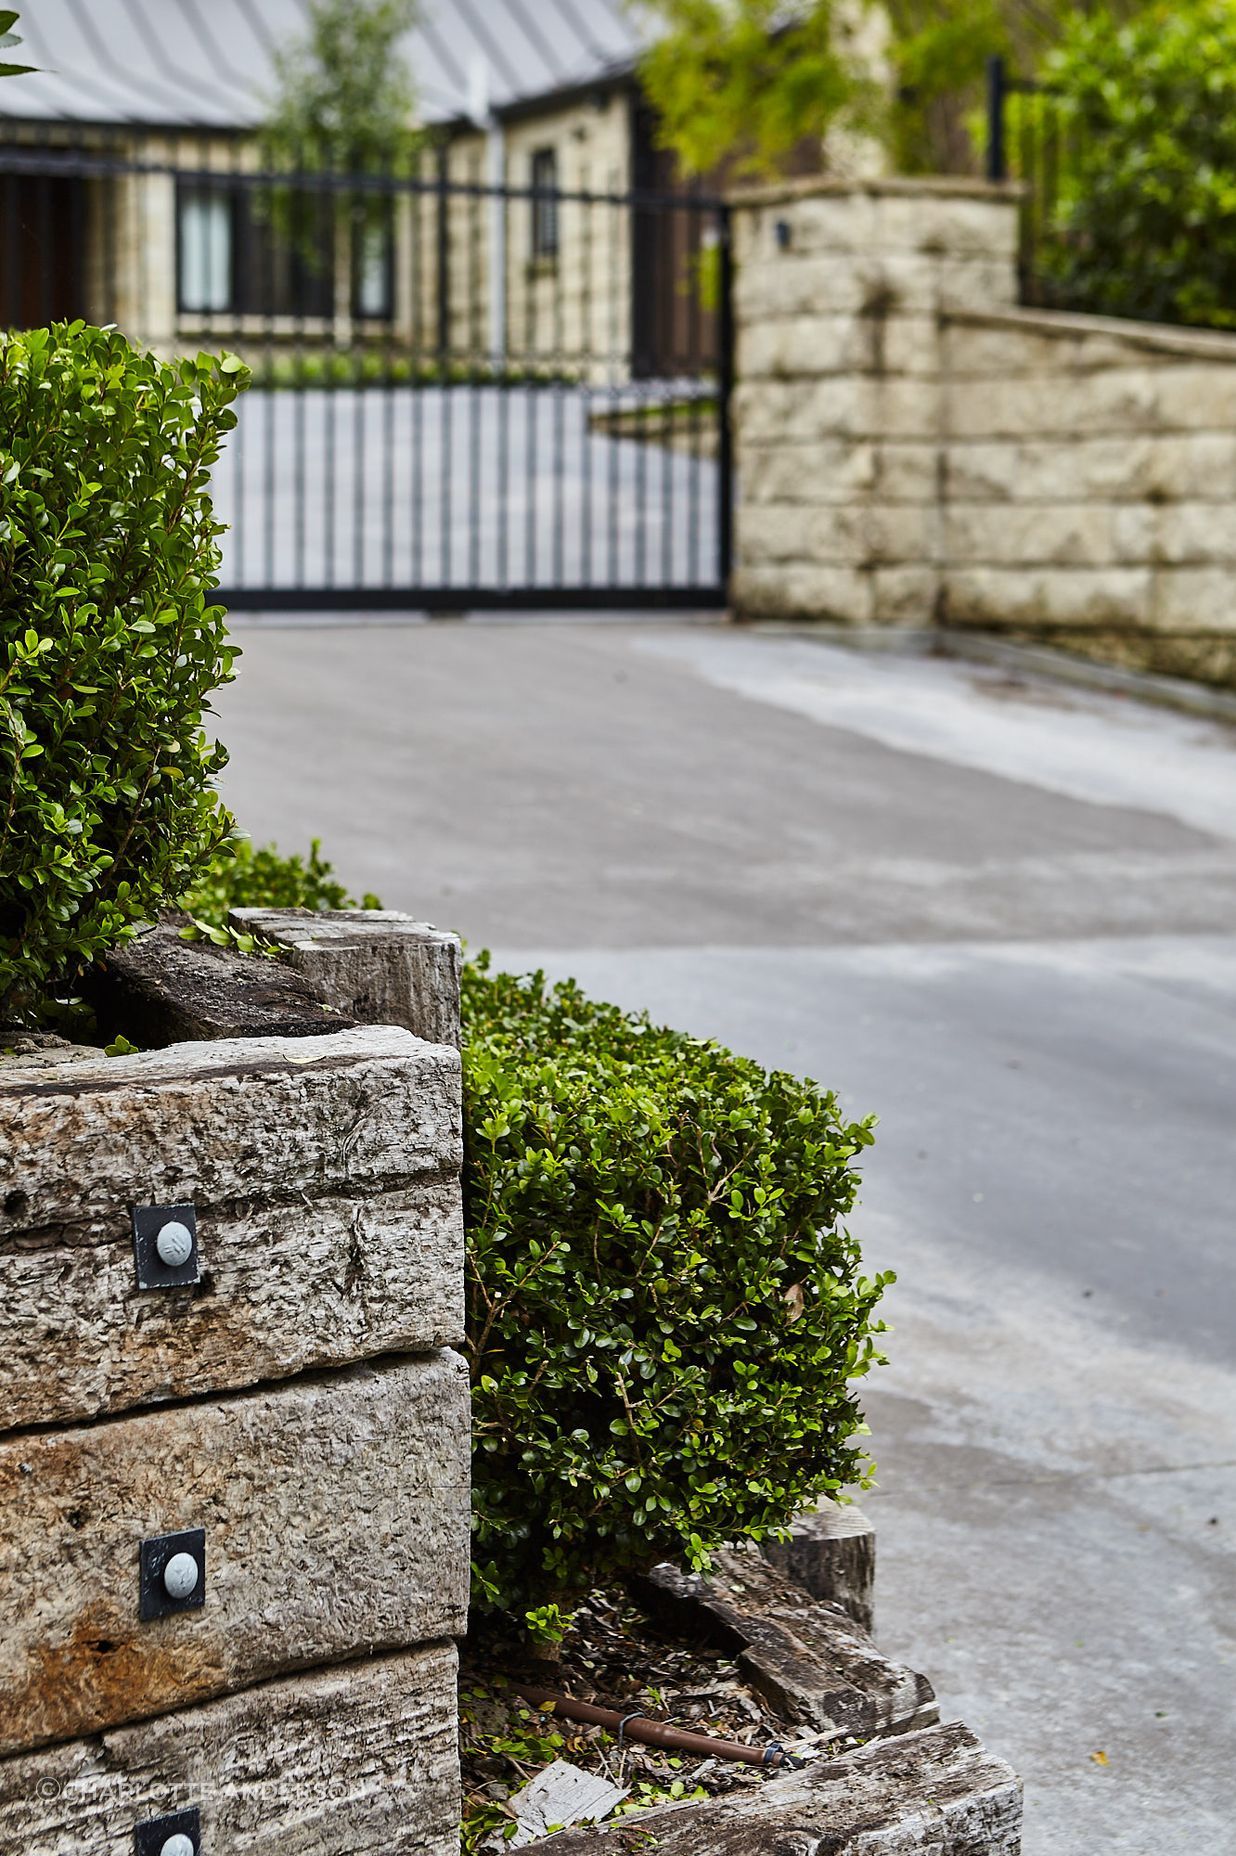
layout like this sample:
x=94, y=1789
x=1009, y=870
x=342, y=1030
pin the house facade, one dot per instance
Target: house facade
x=132, y=190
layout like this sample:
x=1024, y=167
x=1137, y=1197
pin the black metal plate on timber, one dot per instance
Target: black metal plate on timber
x=154, y=1599
x=152, y=1271
x=150, y=1836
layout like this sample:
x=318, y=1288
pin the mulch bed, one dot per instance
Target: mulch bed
x=616, y=1657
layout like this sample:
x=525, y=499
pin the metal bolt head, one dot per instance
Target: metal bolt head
x=179, y=1579
x=179, y=1845
x=174, y=1245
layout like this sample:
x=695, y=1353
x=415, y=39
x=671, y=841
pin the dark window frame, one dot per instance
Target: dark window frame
x=545, y=228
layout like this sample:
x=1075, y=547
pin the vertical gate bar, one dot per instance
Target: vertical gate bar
x=668, y=214
x=1028, y=216
x=725, y=394
x=997, y=91
x=328, y=207
x=416, y=439
x=474, y=389
x=503, y=386
x=360, y=201
x=587, y=207
x=238, y=539
x=390, y=214
x=444, y=368
x=695, y=370
x=530, y=406
x=243, y=219
x=616, y=281
x=558, y=388
x=642, y=359
x=299, y=206
x=443, y=247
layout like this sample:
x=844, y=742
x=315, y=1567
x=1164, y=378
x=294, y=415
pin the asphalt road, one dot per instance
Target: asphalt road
x=1000, y=915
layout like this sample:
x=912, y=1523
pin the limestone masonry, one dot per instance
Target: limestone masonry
x=911, y=446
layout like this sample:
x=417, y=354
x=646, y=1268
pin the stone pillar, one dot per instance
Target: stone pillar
x=839, y=409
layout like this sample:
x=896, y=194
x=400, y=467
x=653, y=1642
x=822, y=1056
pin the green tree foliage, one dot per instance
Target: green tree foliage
x=666, y=1316
x=109, y=644
x=345, y=98
x=752, y=80
x=747, y=82
x=344, y=103
x=1146, y=225
x=939, y=56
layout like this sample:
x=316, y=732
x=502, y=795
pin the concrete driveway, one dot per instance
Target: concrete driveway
x=999, y=914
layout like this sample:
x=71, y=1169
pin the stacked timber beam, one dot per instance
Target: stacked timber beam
x=233, y=1437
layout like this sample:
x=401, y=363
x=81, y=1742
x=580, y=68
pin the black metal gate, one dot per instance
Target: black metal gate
x=466, y=394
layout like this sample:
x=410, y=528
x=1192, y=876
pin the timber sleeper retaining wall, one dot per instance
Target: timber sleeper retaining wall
x=290, y=1414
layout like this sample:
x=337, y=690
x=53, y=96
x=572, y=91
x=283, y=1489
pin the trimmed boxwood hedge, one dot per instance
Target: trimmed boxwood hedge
x=666, y=1315
x=667, y=1319
x=110, y=647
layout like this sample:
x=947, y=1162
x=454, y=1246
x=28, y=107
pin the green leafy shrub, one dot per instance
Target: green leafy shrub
x=241, y=876
x=109, y=646
x=1146, y=225
x=665, y=1316
x=751, y=84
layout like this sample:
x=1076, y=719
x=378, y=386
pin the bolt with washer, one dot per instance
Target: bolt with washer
x=180, y=1577
x=174, y=1243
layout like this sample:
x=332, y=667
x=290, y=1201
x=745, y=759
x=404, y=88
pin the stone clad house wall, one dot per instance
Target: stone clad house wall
x=912, y=447
x=559, y=309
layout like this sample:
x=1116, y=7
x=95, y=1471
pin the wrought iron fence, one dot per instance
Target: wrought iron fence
x=1033, y=139
x=467, y=391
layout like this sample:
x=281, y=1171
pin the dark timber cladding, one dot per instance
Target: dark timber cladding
x=466, y=392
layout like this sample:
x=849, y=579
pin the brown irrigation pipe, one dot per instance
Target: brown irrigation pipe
x=651, y=1733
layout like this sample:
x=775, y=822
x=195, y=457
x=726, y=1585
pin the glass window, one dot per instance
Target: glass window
x=206, y=249
x=285, y=252
x=373, y=287
x=245, y=251
x=545, y=203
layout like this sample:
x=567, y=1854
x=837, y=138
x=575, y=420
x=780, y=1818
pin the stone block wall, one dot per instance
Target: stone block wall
x=913, y=448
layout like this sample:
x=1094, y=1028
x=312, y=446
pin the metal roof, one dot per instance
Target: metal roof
x=210, y=62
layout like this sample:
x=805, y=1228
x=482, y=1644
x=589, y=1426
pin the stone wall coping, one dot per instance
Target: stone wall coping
x=891, y=186
x=1147, y=337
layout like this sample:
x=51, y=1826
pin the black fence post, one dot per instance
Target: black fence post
x=725, y=392
x=997, y=91
x=443, y=255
